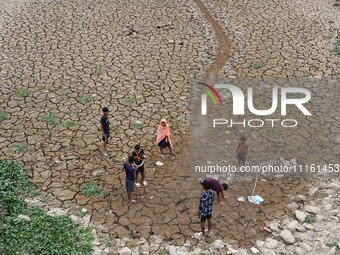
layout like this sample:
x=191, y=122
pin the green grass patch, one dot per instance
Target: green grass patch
x=323, y=194
x=22, y=93
x=68, y=112
x=85, y=99
x=92, y=189
x=68, y=123
x=80, y=213
x=97, y=71
x=3, y=115
x=337, y=50
x=137, y=125
x=333, y=244
x=106, y=241
x=50, y=119
x=19, y=47
x=308, y=220
x=257, y=65
x=20, y=147
x=56, y=19
x=42, y=234
x=131, y=100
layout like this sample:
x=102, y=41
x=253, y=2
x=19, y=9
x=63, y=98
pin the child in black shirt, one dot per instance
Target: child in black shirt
x=139, y=157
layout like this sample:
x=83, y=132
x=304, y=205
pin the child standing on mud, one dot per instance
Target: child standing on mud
x=105, y=129
x=242, y=150
x=205, y=209
x=163, y=137
x=130, y=178
x=139, y=157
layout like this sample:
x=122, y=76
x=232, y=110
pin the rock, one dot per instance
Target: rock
x=332, y=251
x=266, y=251
x=312, y=191
x=318, y=218
x=96, y=242
x=241, y=199
x=197, y=251
x=285, y=222
x=267, y=229
x=197, y=236
x=242, y=252
x=24, y=217
x=300, y=199
x=85, y=221
x=218, y=244
x=233, y=251
x=271, y=243
x=292, y=225
x=293, y=161
x=301, y=228
x=333, y=212
x=136, y=251
x=98, y=173
x=328, y=207
x=287, y=237
x=158, y=163
x=308, y=226
x=275, y=226
x=94, y=233
x=300, y=251
x=300, y=215
x=312, y=209
x=75, y=218
x=141, y=241
x=334, y=185
x=98, y=251
x=292, y=206
x=259, y=244
x=306, y=247
x=254, y=250
x=187, y=244
x=182, y=251
x=286, y=163
x=35, y=202
x=125, y=251
x=300, y=236
x=326, y=201
x=283, y=161
x=172, y=250
x=57, y=212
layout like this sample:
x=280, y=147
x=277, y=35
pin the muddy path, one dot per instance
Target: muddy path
x=223, y=48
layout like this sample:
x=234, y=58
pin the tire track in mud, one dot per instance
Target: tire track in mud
x=223, y=49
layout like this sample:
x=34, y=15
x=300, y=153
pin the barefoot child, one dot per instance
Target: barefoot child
x=206, y=207
x=216, y=186
x=163, y=136
x=139, y=157
x=105, y=129
x=242, y=150
x=130, y=178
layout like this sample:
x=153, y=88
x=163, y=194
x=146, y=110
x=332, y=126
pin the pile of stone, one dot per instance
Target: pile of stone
x=312, y=228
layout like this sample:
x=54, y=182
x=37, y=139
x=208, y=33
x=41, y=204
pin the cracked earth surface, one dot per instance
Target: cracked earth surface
x=139, y=58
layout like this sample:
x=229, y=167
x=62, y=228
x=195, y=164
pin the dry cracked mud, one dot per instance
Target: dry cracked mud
x=61, y=61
